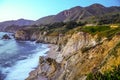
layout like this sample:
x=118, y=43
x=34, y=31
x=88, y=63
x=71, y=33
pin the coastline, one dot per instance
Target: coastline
x=25, y=62
x=52, y=54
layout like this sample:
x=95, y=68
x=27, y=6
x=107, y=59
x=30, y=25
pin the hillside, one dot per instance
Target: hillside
x=17, y=23
x=93, y=14
x=79, y=14
x=79, y=53
x=84, y=44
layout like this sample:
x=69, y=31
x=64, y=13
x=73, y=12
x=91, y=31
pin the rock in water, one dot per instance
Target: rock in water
x=6, y=37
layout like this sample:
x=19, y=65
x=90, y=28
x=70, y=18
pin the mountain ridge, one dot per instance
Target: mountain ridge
x=79, y=13
x=76, y=13
x=19, y=22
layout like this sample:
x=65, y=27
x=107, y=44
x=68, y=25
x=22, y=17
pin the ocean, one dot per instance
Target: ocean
x=19, y=58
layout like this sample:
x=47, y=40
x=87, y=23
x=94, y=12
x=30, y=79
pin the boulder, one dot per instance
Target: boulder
x=6, y=37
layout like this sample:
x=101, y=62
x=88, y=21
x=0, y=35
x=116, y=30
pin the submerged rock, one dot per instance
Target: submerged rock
x=6, y=37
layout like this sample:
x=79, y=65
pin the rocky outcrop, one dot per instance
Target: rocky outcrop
x=25, y=34
x=22, y=35
x=81, y=55
x=79, y=64
x=74, y=56
x=46, y=70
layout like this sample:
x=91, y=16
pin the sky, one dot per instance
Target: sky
x=35, y=9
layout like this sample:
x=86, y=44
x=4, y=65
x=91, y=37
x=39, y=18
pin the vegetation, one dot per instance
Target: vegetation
x=72, y=24
x=71, y=27
x=109, y=18
x=62, y=28
x=95, y=29
x=114, y=50
x=109, y=33
x=109, y=75
x=101, y=31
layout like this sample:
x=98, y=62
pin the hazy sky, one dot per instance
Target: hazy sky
x=35, y=9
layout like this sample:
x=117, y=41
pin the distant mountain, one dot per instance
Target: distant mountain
x=74, y=14
x=43, y=20
x=19, y=22
x=78, y=14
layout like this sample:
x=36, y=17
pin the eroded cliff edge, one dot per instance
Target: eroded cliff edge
x=75, y=55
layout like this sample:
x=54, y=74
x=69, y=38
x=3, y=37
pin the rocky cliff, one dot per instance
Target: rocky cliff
x=38, y=36
x=81, y=54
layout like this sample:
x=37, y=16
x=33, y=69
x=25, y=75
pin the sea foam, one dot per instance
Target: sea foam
x=22, y=68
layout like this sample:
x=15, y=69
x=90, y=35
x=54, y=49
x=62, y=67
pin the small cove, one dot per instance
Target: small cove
x=18, y=58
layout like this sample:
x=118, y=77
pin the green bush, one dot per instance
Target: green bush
x=102, y=31
x=109, y=33
x=109, y=75
x=95, y=29
x=71, y=25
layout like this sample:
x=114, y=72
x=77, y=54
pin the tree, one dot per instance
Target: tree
x=71, y=25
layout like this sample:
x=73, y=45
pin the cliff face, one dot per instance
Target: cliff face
x=38, y=36
x=81, y=55
x=41, y=36
x=97, y=58
x=22, y=35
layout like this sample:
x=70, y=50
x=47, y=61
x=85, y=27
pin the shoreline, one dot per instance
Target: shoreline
x=23, y=60
x=52, y=53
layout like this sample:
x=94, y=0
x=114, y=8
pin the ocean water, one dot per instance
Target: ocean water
x=19, y=58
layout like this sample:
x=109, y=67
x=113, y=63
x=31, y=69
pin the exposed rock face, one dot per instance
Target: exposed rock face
x=75, y=59
x=77, y=41
x=78, y=64
x=6, y=37
x=46, y=70
x=22, y=35
x=39, y=37
x=71, y=63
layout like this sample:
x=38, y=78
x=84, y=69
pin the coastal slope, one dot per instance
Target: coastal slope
x=75, y=55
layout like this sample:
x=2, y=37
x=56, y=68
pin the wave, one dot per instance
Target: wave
x=22, y=68
x=19, y=58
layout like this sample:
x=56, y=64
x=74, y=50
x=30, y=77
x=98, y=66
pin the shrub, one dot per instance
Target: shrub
x=109, y=75
x=71, y=25
x=95, y=29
